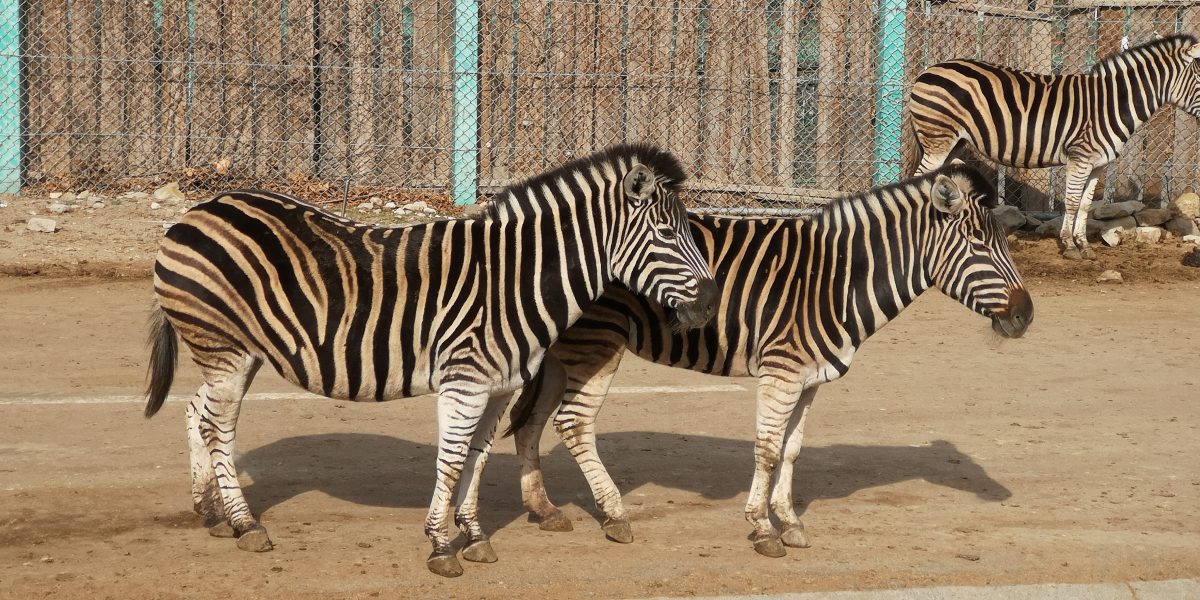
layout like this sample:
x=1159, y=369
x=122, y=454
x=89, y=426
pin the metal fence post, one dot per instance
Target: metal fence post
x=10, y=97
x=464, y=157
x=889, y=100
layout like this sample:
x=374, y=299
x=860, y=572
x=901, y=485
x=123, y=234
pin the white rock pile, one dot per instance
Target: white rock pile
x=1115, y=223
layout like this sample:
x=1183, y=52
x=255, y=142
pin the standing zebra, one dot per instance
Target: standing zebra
x=1030, y=120
x=797, y=299
x=463, y=308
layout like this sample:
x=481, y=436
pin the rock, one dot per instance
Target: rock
x=1111, y=237
x=84, y=195
x=1195, y=239
x=1153, y=217
x=1187, y=204
x=97, y=204
x=137, y=195
x=1010, y=217
x=1112, y=210
x=1050, y=228
x=474, y=211
x=366, y=206
x=42, y=225
x=390, y=205
x=58, y=208
x=1182, y=227
x=1192, y=259
x=1110, y=276
x=67, y=197
x=1031, y=223
x=170, y=193
x=155, y=206
x=1148, y=235
x=418, y=206
x=55, y=195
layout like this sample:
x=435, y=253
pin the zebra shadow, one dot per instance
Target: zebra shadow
x=383, y=471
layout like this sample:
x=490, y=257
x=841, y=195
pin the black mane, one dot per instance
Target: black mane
x=1171, y=42
x=663, y=163
x=980, y=185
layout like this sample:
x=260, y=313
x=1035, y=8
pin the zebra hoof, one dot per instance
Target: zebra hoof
x=796, y=537
x=555, y=522
x=1071, y=254
x=1088, y=254
x=618, y=530
x=480, y=551
x=770, y=547
x=222, y=530
x=445, y=565
x=255, y=540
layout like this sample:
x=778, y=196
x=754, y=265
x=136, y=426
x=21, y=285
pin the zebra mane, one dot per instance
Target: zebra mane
x=980, y=186
x=1170, y=43
x=663, y=163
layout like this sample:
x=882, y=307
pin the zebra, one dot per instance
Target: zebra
x=464, y=308
x=1029, y=120
x=798, y=297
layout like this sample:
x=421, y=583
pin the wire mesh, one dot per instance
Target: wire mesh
x=769, y=103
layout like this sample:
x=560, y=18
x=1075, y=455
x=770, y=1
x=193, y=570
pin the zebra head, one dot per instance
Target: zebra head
x=968, y=255
x=655, y=254
x=1185, y=93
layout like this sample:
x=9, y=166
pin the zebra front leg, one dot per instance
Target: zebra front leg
x=781, y=494
x=217, y=428
x=466, y=513
x=460, y=410
x=777, y=397
x=575, y=423
x=1072, y=236
x=551, y=387
x=206, y=495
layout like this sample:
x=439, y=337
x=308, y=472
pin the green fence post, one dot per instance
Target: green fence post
x=10, y=97
x=464, y=154
x=889, y=100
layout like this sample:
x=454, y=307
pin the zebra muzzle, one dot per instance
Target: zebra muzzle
x=1016, y=318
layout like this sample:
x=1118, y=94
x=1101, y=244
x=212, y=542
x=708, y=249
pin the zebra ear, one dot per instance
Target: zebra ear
x=947, y=196
x=638, y=184
x=1193, y=52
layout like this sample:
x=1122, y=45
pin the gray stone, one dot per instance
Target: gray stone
x=67, y=197
x=1010, y=217
x=1187, y=204
x=170, y=193
x=1194, y=239
x=1050, y=228
x=1182, y=227
x=366, y=206
x=97, y=204
x=390, y=205
x=42, y=225
x=1031, y=223
x=418, y=206
x=1112, y=210
x=1153, y=217
x=1110, y=276
x=58, y=208
x=1148, y=235
x=1111, y=237
x=155, y=206
x=138, y=195
x=84, y=195
x=55, y=195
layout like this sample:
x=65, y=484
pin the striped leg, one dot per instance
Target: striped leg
x=576, y=426
x=460, y=412
x=528, y=438
x=206, y=495
x=1072, y=237
x=226, y=378
x=781, y=495
x=777, y=397
x=466, y=513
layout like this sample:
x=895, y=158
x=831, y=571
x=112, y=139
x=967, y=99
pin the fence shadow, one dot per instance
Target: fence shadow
x=377, y=470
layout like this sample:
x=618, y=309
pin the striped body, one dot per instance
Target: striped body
x=1032, y=120
x=797, y=300
x=463, y=308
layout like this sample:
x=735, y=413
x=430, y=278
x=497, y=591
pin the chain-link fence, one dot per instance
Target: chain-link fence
x=767, y=102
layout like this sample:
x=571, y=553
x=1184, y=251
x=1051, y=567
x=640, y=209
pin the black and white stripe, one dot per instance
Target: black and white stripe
x=1031, y=120
x=797, y=300
x=463, y=308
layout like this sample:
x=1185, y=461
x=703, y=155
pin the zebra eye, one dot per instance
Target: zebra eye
x=667, y=233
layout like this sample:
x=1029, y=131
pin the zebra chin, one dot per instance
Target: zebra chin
x=692, y=314
x=1015, y=318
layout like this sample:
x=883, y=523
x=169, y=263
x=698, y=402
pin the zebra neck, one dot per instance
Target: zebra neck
x=1136, y=90
x=876, y=258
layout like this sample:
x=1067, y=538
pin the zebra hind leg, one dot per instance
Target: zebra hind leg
x=226, y=378
x=206, y=494
x=533, y=409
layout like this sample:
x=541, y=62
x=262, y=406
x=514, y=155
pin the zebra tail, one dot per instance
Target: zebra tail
x=164, y=352
x=522, y=411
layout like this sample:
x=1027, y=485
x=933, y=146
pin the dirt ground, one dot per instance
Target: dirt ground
x=945, y=457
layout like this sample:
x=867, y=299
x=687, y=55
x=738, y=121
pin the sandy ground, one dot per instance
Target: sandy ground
x=945, y=457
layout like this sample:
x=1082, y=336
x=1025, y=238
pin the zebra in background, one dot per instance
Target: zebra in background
x=798, y=297
x=463, y=308
x=1029, y=120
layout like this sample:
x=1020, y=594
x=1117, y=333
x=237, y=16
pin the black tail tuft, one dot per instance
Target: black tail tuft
x=164, y=351
x=522, y=411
